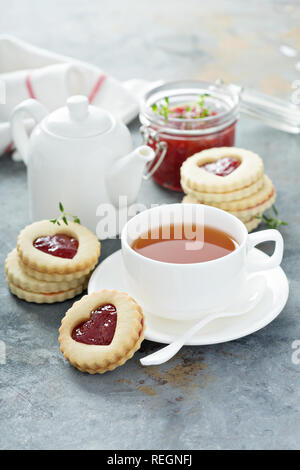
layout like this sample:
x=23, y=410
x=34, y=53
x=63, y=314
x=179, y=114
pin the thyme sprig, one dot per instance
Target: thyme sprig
x=164, y=109
x=63, y=217
x=272, y=220
x=201, y=102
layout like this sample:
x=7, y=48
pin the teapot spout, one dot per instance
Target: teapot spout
x=124, y=180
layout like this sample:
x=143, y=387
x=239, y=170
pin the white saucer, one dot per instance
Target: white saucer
x=110, y=275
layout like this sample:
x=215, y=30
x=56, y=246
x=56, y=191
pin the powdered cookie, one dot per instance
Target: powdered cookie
x=101, y=331
x=53, y=249
x=221, y=170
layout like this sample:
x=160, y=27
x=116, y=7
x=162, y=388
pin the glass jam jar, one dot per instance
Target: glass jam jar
x=208, y=119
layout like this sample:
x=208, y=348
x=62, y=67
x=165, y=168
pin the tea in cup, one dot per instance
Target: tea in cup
x=183, y=261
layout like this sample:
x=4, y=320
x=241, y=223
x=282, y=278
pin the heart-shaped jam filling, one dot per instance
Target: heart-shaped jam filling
x=99, y=329
x=59, y=245
x=223, y=166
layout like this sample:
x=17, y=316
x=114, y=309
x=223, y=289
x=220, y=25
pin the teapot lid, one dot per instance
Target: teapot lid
x=78, y=119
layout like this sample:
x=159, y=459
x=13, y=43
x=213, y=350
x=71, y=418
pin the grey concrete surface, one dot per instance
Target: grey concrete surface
x=239, y=395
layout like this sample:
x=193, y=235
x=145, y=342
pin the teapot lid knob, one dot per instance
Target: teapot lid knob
x=78, y=106
x=78, y=119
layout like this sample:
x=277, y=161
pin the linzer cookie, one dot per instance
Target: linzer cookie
x=55, y=277
x=221, y=170
x=64, y=249
x=252, y=223
x=207, y=198
x=250, y=216
x=231, y=179
x=251, y=205
x=17, y=276
x=52, y=262
x=44, y=298
x=101, y=331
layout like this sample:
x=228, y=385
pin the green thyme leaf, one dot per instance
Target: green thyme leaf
x=164, y=110
x=64, y=216
x=201, y=101
x=272, y=222
x=202, y=98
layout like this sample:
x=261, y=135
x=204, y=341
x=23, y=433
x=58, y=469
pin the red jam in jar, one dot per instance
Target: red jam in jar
x=183, y=118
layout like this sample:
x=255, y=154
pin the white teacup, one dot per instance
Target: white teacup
x=187, y=291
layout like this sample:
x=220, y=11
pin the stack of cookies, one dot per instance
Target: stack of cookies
x=52, y=262
x=231, y=179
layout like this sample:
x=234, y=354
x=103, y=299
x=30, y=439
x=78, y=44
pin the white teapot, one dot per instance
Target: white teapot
x=79, y=155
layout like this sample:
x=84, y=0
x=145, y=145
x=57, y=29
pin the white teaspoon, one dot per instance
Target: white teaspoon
x=251, y=296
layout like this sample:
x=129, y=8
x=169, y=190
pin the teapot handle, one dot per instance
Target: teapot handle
x=36, y=111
